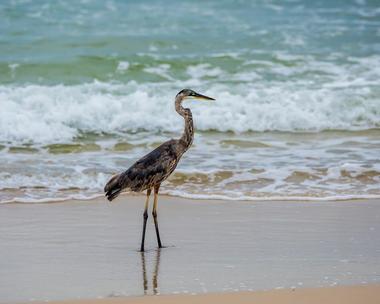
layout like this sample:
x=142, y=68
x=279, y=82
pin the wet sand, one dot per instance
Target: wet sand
x=89, y=249
x=369, y=294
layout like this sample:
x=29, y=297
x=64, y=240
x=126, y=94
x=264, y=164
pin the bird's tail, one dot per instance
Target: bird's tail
x=113, y=187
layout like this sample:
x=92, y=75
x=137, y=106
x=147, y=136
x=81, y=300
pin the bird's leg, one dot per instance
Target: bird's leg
x=154, y=213
x=145, y=215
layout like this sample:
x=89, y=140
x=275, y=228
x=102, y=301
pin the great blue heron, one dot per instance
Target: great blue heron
x=151, y=170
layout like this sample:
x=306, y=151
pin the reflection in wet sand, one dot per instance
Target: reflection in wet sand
x=155, y=289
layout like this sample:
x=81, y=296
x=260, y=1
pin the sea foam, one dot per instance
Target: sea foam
x=45, y=114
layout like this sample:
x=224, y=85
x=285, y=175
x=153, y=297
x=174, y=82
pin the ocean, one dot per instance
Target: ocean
x=88, y=87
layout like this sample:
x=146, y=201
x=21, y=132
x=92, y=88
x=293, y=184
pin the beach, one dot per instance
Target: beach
x=276, y=201
x=89, y=249
x=349, y=295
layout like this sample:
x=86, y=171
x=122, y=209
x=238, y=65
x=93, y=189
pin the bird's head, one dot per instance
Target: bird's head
x=190, y=94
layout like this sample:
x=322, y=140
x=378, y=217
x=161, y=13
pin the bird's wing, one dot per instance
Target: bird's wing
x=151, y=169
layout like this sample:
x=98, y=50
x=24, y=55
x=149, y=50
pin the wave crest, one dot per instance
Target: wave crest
x=35, y=113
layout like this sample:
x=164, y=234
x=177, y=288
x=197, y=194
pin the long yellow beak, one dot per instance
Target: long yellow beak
x=200, y=96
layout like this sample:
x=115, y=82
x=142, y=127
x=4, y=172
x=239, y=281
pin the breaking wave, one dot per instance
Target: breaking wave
x=48, y=114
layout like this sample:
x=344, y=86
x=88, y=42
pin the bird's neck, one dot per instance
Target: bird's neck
x=188, y=133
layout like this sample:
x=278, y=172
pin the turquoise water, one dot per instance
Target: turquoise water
x=87, y=87
x=73, y=42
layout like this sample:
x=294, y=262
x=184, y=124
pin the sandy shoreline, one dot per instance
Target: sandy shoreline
x=343, y=294
x=89, y=249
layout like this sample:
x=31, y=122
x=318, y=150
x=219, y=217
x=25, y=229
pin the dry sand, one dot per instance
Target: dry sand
x=89, y=249
x=369, y=294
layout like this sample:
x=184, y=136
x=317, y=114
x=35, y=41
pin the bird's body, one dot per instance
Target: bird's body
x=148, y=171
x=151, y=170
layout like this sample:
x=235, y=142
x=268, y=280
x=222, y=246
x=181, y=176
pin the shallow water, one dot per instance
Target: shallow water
x=87, y=87
x=294, y=166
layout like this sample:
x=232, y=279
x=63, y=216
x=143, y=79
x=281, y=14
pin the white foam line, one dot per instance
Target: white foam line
x=274, y=198
x=17, y=200
x=203, y=197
